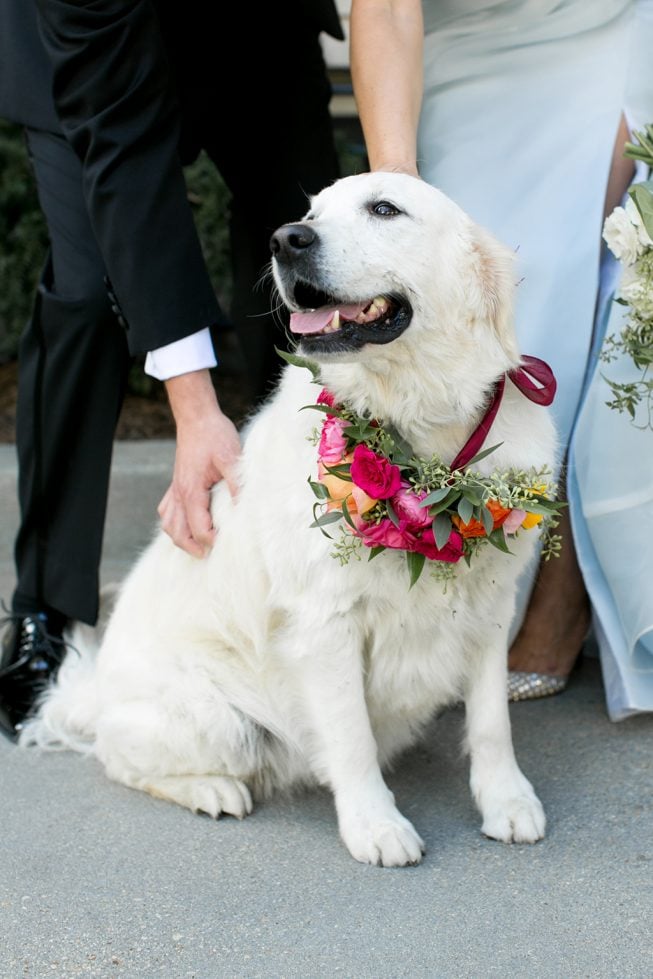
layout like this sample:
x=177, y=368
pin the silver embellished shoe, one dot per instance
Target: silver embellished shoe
x=530, y=686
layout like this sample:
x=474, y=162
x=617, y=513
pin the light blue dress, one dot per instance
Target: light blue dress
x=521, y=106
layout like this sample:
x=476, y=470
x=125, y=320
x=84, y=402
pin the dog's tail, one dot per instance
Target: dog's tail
x=67, y=711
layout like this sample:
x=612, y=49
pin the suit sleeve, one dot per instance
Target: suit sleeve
x=115, y=100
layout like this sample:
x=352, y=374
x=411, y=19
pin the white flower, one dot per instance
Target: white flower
x=636, y=219
x=636, y=288
x=622, y=236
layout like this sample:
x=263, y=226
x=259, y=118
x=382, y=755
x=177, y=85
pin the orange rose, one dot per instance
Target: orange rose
x=358, y=502
x=472, y=529
x=475, y=528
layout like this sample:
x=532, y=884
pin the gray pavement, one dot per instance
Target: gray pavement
x=98, y=880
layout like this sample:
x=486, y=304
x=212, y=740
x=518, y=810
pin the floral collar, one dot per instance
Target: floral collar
x=385, y=497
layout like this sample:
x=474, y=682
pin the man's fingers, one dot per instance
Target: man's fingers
x=175, y=523
x=198, y=515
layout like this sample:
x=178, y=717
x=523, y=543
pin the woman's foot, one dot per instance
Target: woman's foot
x=554, y=628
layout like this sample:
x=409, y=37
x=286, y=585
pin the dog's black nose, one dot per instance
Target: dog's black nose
x=290, y=239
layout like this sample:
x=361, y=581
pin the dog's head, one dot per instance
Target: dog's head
x=384, y=258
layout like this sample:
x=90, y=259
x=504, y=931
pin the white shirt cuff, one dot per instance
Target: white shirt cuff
x=192, y=353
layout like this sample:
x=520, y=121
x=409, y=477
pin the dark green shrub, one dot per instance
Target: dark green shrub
x=23, y=239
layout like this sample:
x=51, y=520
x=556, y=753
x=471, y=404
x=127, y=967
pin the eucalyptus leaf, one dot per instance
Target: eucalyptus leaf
x=465, y=509
x=471, y=493
x=488, y=520
x=327, y=518
x=442, y=530
x=415, y=564
x=319, y=489
x=446, y=503
x=436, y=496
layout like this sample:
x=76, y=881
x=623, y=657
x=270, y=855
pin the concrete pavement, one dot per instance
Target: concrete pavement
x=100, y=881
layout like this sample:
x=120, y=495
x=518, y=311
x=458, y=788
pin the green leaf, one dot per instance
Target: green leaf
x=392, y=513
x=442, y=530
x=643, y=199
x=483, y=454
x=297, y=361
x=488, y=520
x=436, y=496
x=374, y=551
x=326, y=519
x=446, y=503
x=415, y=564
x=471, y=494
x=400, y=442
x=319, y=489
x=347, y=515
x=498, y=539
x=341, y=471
x=465, y=509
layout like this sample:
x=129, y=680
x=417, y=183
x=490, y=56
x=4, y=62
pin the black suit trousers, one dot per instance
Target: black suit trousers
x=73, y=363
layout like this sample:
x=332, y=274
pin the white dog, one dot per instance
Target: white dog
x=268, y=664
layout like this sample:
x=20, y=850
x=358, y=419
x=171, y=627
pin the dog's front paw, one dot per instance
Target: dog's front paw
x=517, y=818
x=212, y=794
x=386, y=841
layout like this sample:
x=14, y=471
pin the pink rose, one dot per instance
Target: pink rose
x=406, y=506
x=375, y=475
x=333, y=444
x=513, y=521
x=384, y=534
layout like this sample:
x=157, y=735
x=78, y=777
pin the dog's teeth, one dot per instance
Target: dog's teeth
x=334, y=325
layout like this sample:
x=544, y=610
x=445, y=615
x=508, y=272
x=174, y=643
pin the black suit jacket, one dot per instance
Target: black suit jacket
x=117, y=77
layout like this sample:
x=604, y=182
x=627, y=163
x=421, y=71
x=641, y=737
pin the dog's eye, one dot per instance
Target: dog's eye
x=384, y=208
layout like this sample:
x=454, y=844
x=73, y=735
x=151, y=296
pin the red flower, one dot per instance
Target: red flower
x=386, y=534
x=451, y=552
x=377, y=476
x=326, y=398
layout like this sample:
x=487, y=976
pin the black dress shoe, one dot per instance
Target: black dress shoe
x=30, y=657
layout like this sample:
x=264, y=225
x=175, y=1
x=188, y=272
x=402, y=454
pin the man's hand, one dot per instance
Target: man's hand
x=208, y=449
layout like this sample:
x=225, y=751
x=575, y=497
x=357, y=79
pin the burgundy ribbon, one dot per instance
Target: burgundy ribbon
x=541, y=393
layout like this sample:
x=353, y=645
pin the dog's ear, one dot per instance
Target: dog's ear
x=496, y=269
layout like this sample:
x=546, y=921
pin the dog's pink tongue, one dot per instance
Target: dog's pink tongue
x=318, y=319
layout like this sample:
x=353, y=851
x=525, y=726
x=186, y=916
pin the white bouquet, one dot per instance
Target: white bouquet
x=628, y=232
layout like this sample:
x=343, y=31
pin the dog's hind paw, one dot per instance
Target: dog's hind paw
x=212, y=794
x=519, y=819
x=389, y=842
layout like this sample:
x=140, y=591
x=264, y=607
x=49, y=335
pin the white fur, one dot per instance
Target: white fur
x=268, y=664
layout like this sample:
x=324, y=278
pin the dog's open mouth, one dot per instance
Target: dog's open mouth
x=334, y=326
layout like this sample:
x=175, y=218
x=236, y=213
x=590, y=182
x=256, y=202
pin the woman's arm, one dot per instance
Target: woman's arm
x=386, y=56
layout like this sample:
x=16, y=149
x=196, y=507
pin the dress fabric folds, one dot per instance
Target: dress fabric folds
x=522, y=102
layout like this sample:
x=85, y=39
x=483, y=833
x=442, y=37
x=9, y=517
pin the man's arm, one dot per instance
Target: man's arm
x=118, y=110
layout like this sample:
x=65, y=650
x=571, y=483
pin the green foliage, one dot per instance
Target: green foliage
x=23, y=238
